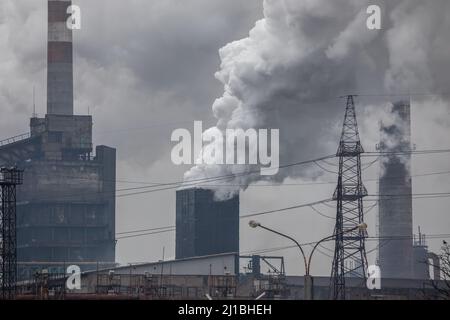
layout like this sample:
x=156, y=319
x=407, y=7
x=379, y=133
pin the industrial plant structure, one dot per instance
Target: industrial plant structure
x=205, y=226
x=66, y=215
x=401, y=254
x=209, y=277
x=66, y=206
x=395, y=189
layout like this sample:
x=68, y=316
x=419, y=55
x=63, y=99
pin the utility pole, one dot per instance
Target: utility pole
x=309, y=281
x=349, y=253
x=9, y=179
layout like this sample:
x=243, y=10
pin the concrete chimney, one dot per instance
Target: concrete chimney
x=59, y=59
x=395, y=189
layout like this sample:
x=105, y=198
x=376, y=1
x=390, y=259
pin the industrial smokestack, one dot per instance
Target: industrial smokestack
x=59, y=59
x=395, y=188
x=205, y=226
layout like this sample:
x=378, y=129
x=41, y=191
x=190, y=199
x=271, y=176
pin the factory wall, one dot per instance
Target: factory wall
x=66, y=214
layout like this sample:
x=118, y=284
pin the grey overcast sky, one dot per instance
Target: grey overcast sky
x=146, y=67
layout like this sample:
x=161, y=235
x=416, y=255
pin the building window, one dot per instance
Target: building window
x=55, y=137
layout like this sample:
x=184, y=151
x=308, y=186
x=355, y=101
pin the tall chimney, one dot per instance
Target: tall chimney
x=395, y=190
x=59, y=59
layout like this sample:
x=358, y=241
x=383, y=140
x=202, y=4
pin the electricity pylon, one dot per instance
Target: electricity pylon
x=349, y=253
x=9, y=179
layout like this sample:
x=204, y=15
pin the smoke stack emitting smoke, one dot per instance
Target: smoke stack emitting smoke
x=300, y=56
x=395, y=137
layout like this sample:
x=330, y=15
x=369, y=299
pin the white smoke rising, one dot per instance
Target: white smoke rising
x=395, y=136
x=301, y=55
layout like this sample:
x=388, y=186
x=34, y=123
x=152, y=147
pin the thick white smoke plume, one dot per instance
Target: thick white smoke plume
x=302, y=55
x=395, y=137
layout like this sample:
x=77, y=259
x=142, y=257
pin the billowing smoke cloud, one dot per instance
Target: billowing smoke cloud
x=395, y=138
x=303, y=54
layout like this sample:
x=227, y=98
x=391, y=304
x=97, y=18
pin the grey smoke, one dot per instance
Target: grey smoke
x=395, y=136
x=303, y=54
x=157, y=67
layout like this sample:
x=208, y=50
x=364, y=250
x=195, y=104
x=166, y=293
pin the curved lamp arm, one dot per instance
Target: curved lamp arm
x=361, y=226
x=292, y=239
x=314, y=248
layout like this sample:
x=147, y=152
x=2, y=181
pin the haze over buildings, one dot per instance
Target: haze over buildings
x=138, y=89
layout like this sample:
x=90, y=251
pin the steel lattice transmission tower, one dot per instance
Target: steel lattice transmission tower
x=9, y=179
x=350, y=253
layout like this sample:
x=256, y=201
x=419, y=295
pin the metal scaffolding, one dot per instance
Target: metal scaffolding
x=350, y=253
x=9, y=179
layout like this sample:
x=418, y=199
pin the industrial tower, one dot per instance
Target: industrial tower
x=205, y=226
x=9, y=179
x=66, y=205
x=349, y=254
x=396, y=258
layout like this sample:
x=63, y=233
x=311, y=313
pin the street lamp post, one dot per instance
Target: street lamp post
x=309, y=294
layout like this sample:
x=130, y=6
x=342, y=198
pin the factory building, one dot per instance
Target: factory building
x=205, y=226
x=395, y=189
x=66, y=206
x=211, y=277
x=420, y=256
x=426, y=264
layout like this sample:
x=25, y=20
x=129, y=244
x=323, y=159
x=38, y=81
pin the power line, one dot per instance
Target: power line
x=189, y=183
x=329, y=163
x=196, y=182
x=367, y=166
x=310, y=205
x=265, y=250
x=285, y=209
x=366, y=211
x=323, y=182
x=145, y=234
x=428, y=236
x=412, y=152
x=409, y=94
x=161, y=189
x=251, y=185
x=324, y=169
x=315, y=161
x=157, y=184
x=171, y=228
x=312, y=102
x=322, y=214
x=144, y=230
x=393, y=196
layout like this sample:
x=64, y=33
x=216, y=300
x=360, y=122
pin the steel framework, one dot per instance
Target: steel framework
x=349, y=254
x=9, y=179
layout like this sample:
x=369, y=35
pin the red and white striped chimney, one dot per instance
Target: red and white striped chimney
x=59, y=59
